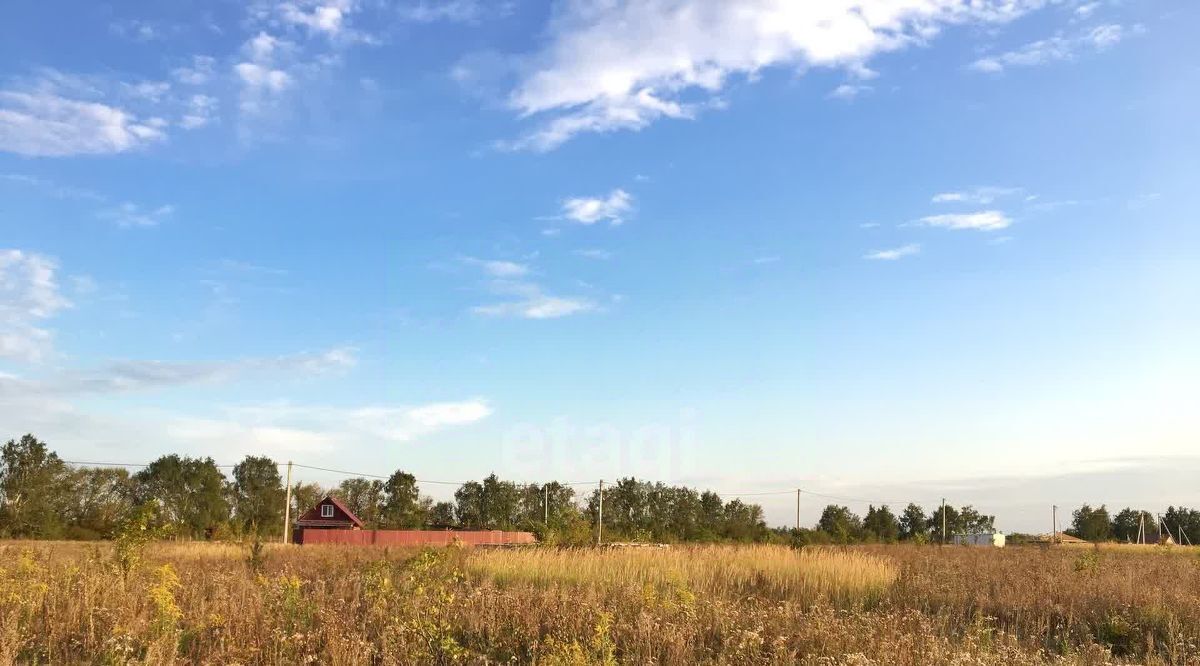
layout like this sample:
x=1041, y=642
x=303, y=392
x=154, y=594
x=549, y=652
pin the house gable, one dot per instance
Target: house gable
x=329, y=512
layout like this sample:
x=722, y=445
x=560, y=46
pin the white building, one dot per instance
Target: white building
x=993, y=539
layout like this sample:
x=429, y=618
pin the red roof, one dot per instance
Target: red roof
x=313, y=518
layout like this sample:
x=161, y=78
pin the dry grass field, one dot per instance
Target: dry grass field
x=215, y=603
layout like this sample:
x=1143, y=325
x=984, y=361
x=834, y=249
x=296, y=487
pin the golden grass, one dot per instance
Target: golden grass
x=202, y=603
x=775, y=572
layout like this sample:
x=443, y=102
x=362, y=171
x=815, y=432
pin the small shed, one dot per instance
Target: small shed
x=994, y=539
x=328, y=514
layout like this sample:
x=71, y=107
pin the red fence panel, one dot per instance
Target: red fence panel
x=413, y=537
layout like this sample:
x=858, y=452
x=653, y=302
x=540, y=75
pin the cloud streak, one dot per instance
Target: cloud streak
x=1054, y=49
x=988, y=220
x=894, y=253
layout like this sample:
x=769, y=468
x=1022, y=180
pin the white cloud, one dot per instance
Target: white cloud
x=402, y=424
x=848, y=91
x=132, y=215
x=498, y=268
x=531, y=302
x=988, y=220
x=1053, y=49
x=141, y=30
x=894, y=253
x=589, y=210
x=322, y=17
x=29, y=294
x=200, y=112
x=319, y=433
x=257, y=76
x=199, y=73
x=41, y=123
x=979, y=195
x=455, y=11
x=622, y=64
x=595, y=253
x=133, y=375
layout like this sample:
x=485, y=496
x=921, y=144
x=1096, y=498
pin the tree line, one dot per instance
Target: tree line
x=41, y=496
x=1097, y=525
x=839, y=525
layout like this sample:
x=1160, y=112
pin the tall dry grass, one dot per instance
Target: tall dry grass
x=210, y=603
x=772, y=572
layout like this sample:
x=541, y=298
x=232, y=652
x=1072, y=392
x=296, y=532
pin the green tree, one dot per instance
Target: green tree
x=188, y=492
x=442, y=515
x=468, y=505
x=1127, y=523
x=1091, y=524
x=952, y=522
x=1184, y=523
x=305, y=496
x=100, y=499
x=364, y=497
x=33, y=489
x=914, y=524
x=258, y=495
x=971, y=521
x=881, y=524
x=744, y=522
x=840, y=524
x=402, y=507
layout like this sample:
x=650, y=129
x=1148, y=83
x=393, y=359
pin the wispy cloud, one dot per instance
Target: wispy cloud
x=849, y=91
x=200, y=72
x=43, y=123
x=134, y=215
x=1054, y=49
x=134, y=375
x=201, y=109
x=51, y=188
x=452, y=11
x=530, y=301
x=988, y=220
x=595, y=253
x=979, y=195
x=894, y=253
x=612, y=208
x=29, y=295
x=596, y=74
x=497, y=267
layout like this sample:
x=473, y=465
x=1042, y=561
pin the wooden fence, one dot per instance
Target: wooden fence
x=412, y=537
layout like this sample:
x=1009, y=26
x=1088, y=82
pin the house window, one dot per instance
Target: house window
x=327, y=511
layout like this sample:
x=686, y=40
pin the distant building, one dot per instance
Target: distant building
x=328, y=514
x=331, y=522
x=995, y=539
x=1059, y=538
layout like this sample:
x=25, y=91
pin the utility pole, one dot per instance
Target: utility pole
x=797, y=509
x=1141, y=527
x=943, y=521
x=600, y=517
x=1054, y=525
x=546, y=505
x=287, y=507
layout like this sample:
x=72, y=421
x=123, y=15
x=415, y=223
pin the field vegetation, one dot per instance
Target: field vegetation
x=136, y=601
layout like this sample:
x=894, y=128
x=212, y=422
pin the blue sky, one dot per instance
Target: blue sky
x=884, y=250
